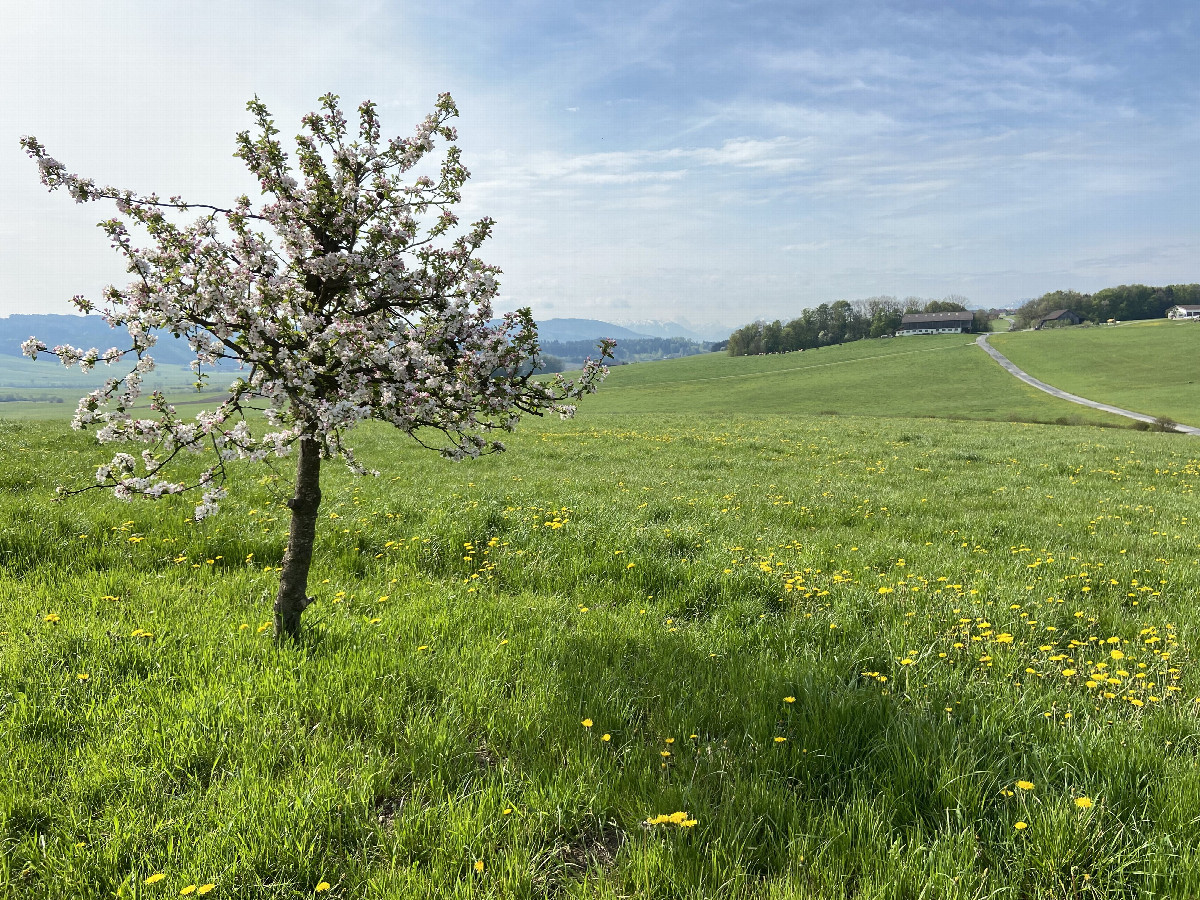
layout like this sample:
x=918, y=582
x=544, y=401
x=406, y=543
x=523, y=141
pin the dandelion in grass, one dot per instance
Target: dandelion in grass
x=479, y=865
x=190, y=889
x=606, y=737
x=1084, y=802
x=676, y=818
x=321, y=888
x=52, y=618
x=780, y=740
x=154, y=879
x=1025, y=785
x=1020, y=826
x=507, y=811
x=204, y=889
x=789, y=699
x=586, y=723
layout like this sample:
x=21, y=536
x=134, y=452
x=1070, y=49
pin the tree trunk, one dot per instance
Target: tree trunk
x=293, y=580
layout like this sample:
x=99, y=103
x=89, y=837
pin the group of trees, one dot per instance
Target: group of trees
x=839, y=322
x=1129, y=301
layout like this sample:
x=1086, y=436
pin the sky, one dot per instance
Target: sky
x=699, y=162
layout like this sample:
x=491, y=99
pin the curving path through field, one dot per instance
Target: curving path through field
x=1004, y=361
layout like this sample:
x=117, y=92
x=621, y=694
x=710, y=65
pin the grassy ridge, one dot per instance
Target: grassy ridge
x=1147, y=367
x=937, y=376
x=842, y=647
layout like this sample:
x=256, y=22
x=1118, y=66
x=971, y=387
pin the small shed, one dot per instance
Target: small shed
x=1059, y=317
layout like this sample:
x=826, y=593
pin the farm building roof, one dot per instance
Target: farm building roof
x=1056, y=314
x=937, y=318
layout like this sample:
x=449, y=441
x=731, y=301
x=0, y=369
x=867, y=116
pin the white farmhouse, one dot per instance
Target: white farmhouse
x=936, y=323
x=1183, y=312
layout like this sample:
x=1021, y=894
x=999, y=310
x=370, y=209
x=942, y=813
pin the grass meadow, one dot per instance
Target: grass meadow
x=1146, y=366
x=750, y=651
x=939, y=376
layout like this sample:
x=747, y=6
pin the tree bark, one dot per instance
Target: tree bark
x=293, y=580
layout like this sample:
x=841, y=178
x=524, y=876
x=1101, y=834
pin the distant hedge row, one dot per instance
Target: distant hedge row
x=1129, y=301
x=839, y=322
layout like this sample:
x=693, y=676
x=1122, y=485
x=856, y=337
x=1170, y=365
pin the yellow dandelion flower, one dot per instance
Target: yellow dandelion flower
x=155, y=878
x=204, y=888
x=780, y=740
x=321, y=888
x=586, y=723
x=1084, y=802
x=1116, y=654
x=789, y=699
x=606, y=737
x=479, y=865
x=1025, y=785
x=1020, y=826
x=190, y=889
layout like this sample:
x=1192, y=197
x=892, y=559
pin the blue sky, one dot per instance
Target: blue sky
x=707, y=162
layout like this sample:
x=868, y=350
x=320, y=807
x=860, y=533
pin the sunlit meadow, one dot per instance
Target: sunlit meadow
x=640, y=656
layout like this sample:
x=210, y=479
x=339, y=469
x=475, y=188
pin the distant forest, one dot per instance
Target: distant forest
x=839, y=322
x=1129, y=301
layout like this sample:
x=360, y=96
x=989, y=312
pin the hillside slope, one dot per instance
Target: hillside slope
x=935, y=376
x=1149, y=367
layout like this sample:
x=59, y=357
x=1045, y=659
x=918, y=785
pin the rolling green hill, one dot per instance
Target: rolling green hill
x=1149, y=367
x=932, y=376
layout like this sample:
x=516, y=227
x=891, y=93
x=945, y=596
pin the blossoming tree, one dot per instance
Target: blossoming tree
x=349, y=293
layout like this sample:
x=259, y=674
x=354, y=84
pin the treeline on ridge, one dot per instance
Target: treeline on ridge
x=1129, y=301
x=839, y=322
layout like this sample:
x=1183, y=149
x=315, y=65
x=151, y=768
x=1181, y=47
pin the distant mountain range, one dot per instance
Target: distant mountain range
x=83, y=332
x=91, y=331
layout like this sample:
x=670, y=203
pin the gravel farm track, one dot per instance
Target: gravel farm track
x=1007, y=364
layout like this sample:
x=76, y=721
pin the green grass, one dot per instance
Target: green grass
x=935, y=596
x=1148, y=367
x=940, y=376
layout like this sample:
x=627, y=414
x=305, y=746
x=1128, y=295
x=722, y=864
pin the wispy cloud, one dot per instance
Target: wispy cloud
x=719, y=161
